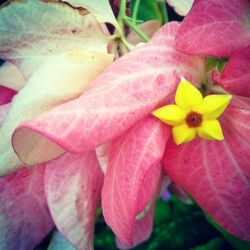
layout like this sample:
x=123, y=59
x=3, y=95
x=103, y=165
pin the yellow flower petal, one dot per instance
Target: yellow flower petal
x=210, y=130
x=170, y=114
x=214, y=105
x=187, y=96
x=182, y=134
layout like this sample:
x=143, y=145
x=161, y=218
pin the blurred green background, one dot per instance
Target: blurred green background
x=176, y=226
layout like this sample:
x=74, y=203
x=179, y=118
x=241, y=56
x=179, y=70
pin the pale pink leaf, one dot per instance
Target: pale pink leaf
x=24, y=215
x=102, y=153
x=73, y=187
x=235, y=77
x=31, y=31
x=11, y=77
x=181, y=7
x=215, y=28
x=133, y=180
x=216, y=173
x=57, y=80
x=125, y=93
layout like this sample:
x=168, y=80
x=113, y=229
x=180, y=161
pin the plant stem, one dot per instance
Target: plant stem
x=164, y=13
x=135, y=11
x=134, y=27
x=122, y=13
x=126, y=43
x=113, y=37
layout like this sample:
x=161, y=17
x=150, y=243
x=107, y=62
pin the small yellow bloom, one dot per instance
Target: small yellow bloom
x=193, y=114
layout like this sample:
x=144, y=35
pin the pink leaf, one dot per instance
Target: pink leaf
x=6, y=94
x=24, y=216
x=215, y=28
x=235, y=77
x=45, y=89
x=216, y=174
x=126, y=92
x=133, y=179
x=73, y=187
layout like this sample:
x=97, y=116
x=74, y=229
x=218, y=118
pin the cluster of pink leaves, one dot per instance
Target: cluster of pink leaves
x=115, y=110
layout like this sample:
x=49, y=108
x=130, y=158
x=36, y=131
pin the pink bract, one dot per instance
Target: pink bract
x=115, y=109
x=122, y=95
x=235, y=77
x=215, y=28
x=133, y=179
x=216, y=174
x=25, y=218
x=6, y=94
x=73, y=188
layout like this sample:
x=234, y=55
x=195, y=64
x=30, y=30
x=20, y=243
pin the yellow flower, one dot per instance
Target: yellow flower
x=193, y=114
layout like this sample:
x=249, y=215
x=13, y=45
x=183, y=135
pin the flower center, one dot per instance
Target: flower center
x=193, y=119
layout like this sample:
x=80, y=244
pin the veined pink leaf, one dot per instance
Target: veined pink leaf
x=122, y=95
x=216, y=173
x=73, y=187
x=235, y=77
x=142, y=230
x=24, y=215
x=181, y=7
x=215, y=28
x=6, y=95
x=59, y=79
x=133, y=180
x=11, y=77
x=31, y=31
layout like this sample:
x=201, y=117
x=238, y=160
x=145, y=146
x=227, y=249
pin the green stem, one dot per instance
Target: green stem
x=122, y=13
x=126, y=43
x=164, y=13
x=113, y=37
x=136, y=29
x=135, y=11
x=217, y=89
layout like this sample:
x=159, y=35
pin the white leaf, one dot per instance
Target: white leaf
x=99, y=8
x=11, y=77
x=30, y=31
x=181, y=7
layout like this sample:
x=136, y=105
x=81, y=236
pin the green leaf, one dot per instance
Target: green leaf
x=183, y=233
x=237, y=243
x=212, y=62
x=148, y=10
x=162, y=212
x=214, y=244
